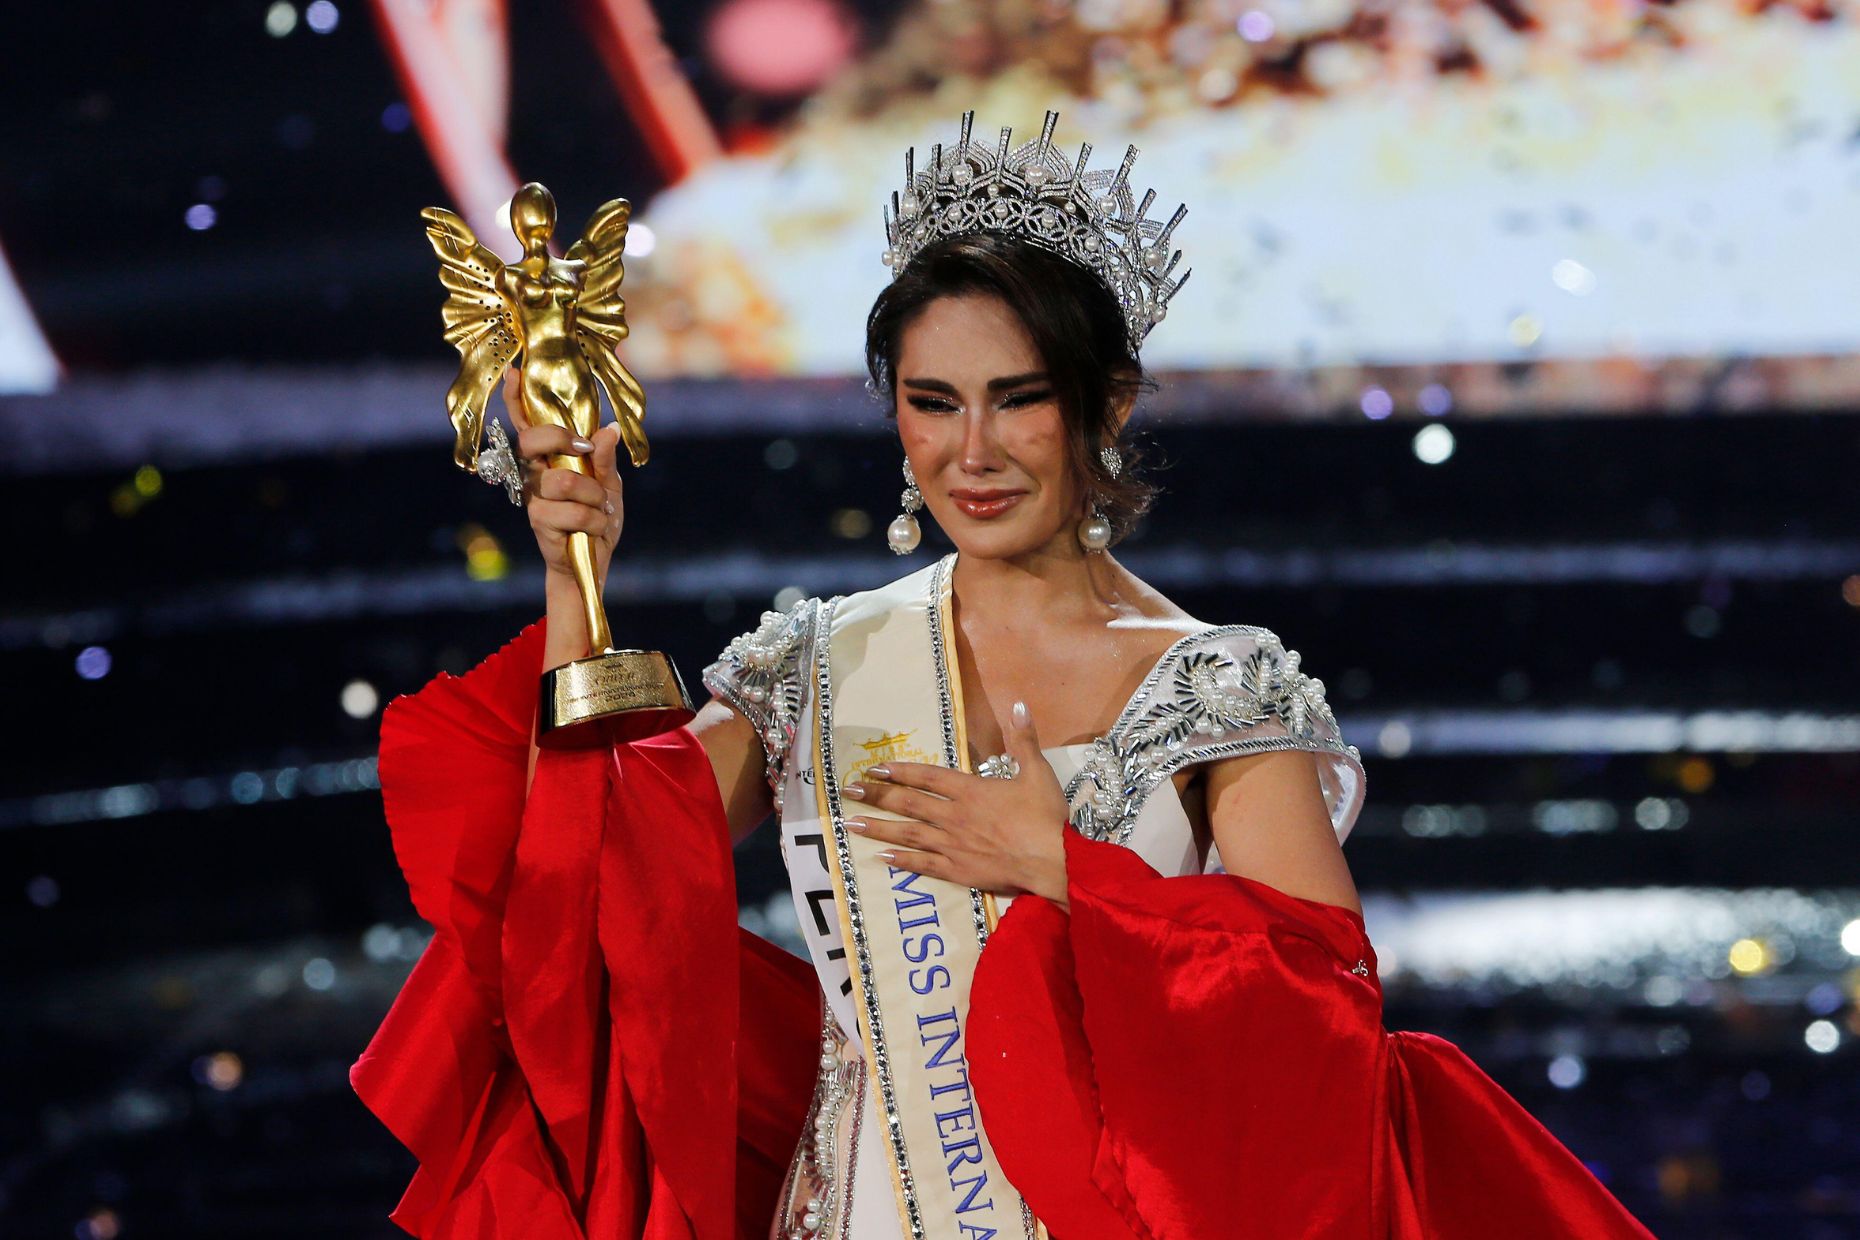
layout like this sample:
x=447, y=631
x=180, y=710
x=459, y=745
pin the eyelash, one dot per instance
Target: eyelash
x=925, y=403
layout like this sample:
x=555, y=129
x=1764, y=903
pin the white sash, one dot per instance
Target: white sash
x=887, y=689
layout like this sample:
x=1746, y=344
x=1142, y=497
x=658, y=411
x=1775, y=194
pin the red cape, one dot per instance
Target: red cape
x=590, y=1046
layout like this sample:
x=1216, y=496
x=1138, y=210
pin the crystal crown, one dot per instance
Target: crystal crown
x=1091, y=218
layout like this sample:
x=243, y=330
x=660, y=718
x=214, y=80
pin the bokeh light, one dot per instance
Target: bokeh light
x=359, y=699
x=780, y=47
x=484, y=554
x=1567, y=1071
x=222, y=1070
x=1822, y=1036
x=1749, y=957
x=1256, y=26
x=1434, y=400
x=1433, y=444
x=93, y=662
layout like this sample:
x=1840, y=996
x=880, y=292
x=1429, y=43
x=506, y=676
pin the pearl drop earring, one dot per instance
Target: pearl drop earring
x=904, y=534
x=1095, y=530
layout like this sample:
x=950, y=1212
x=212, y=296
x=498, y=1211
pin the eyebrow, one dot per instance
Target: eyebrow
x=994, y=385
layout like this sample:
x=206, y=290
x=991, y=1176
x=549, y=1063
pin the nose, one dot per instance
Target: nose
x=981, y=450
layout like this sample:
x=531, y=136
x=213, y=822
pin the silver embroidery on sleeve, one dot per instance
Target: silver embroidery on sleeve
x=1213, y=706
x=759, y=673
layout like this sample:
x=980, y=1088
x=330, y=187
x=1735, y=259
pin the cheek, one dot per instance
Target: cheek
x=1038, y=442
x=920, y=437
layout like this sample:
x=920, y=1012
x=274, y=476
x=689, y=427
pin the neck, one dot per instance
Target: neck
x=1055, y=583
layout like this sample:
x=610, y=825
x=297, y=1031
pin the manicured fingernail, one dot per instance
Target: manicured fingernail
x=855, y=791
x=887, y=855
x=856, y=824
x=878, y=772
x=1020, y=713
x=581, y=445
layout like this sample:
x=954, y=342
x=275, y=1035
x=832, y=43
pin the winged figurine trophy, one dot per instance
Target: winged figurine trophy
x=559, y=321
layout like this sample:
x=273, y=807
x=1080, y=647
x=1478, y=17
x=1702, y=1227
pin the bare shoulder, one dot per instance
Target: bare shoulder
x=1155, y=621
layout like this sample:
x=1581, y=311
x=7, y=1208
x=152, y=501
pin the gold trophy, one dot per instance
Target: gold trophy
x=563, y=318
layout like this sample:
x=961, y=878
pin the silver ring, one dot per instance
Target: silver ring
x=1001, y=766
x=499, y=466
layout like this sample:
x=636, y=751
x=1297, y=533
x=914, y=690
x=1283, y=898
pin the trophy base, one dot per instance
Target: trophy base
x=606, y=698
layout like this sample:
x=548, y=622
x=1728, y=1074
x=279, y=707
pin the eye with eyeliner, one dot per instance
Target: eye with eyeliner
x=934, y=404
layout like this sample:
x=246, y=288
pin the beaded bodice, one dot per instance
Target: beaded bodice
x=1227, y=690
x=1222, y=691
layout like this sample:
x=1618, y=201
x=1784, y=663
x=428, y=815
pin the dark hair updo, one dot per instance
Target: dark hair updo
x=1076, y=327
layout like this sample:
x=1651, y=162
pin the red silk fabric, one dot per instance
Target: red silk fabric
x=1195, y=1057
x=590, y=1047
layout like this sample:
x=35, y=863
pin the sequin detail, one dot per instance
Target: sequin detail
x=814, y=1202
x=1224, y=691
x=760, y=674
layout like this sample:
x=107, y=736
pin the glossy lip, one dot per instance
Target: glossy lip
x=985, y=504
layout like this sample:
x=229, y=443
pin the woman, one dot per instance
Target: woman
x=1138, y=1052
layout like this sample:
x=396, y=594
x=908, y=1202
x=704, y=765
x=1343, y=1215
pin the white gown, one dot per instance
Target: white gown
x=1119, y=787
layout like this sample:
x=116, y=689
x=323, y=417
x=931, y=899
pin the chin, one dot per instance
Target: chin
x=992, y=541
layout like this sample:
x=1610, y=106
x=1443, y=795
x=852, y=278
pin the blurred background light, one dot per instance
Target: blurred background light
x=321, y=16
x=319, y=974
x=1822, y=1036
x=1433, y=445
x=780, y=47
x=359, y=699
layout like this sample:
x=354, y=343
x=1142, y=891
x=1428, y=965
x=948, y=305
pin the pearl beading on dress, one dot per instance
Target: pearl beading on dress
x=759, y=673
x=813, y=1203
x=1214, y=708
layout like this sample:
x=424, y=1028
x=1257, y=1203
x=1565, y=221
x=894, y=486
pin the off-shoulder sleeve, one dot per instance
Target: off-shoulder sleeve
x=760, y=673
x=1230, y=690
x=1205, y=1056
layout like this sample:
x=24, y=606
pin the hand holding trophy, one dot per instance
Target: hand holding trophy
x=558, y=320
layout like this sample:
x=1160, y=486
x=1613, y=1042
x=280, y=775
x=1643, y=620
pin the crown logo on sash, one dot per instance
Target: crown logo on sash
x=891, y=747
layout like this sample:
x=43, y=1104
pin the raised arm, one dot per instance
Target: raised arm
x=560, y=501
